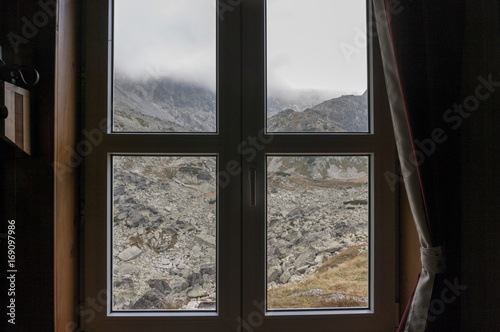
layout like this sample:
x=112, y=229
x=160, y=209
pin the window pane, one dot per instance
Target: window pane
x=164, y=233
x=317, y=232
x=164, y=66
x=317, y=75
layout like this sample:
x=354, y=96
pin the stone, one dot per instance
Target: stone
x=134, y=219
x=118, y=191
x=207, y=240
x=196, y=250
x=130, y=253
x=153, y=299
x=127, y=282
x=285, y=276
x=273, y=273
x=193, y=279
x=316, y=291
x=178, y=284
x=337, y=297
x=319, y=259
x=302, y=269
x=125, y=269
x=304, y=259
x=204, y=176
x=207, y=305
x=192, y=305
x=208, y=269
x=197, y=292
x=200, y=305
x=160, y=285
x=295, y=279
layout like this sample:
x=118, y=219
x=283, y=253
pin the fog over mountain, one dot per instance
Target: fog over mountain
x=162, y=105
x=167, y=105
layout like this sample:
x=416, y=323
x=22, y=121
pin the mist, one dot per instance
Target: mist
x=176, y=39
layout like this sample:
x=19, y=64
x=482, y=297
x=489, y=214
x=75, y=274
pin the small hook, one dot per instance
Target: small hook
x=12, y=73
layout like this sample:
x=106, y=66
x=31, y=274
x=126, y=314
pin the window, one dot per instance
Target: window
x=236, y=183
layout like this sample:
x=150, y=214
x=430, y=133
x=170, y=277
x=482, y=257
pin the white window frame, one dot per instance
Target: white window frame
x=241, y=68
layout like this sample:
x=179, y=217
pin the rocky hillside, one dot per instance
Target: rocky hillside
x=296, y=100
x=164, y=231
x=164, y=224
x=162, y=105
x=317, y=206
x=165, y=105
x=343, y=114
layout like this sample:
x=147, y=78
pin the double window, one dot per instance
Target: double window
x=238, y=184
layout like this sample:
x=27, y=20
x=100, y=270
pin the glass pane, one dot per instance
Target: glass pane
x=164, y=233
x=317, y=232
x=164, y=66
x=317, y=76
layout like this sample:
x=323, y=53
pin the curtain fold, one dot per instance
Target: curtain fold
x=421, y=45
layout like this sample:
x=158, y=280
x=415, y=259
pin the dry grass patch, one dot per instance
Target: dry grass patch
x=345, y=273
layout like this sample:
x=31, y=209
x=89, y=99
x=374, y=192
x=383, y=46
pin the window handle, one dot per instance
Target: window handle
x=253, y=190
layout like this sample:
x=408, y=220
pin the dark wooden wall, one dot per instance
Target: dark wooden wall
x=29, y=180
x=480, y=179
x=44, y=209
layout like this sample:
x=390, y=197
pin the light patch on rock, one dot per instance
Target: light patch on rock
x=207, y=240
x=130, y=253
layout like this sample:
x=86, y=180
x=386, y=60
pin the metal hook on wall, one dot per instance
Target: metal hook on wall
x=17, y=74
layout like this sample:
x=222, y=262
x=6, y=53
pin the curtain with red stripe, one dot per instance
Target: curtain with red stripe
x=421, y=44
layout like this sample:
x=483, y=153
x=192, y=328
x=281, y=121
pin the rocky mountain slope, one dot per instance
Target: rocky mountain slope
x=164, y=224
x=162, y=105
x=164, y=231
x=165, y=105
x=343, y=114
x=298, y=100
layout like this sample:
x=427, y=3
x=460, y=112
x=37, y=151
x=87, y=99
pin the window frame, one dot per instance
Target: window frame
x=97, y=80
x=378, y=143
x=241, y=54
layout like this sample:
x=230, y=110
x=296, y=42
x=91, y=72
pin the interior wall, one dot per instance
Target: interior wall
x=479, y=163
x=41, y=198
x=28, y=180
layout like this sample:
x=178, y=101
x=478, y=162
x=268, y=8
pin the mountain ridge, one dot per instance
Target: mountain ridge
x=166, y=105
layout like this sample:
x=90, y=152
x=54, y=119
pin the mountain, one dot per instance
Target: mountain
x=162, y=105
x=298, y=100
x=167, y=105
x=343, y=114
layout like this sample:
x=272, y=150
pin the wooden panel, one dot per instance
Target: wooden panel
x=29, y=179
x=16, y=127
x=19, y=116
x=66, y=174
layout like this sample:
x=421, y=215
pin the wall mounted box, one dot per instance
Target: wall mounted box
x=16, y=127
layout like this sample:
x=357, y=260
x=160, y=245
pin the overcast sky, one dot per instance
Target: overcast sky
x=175, y=38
